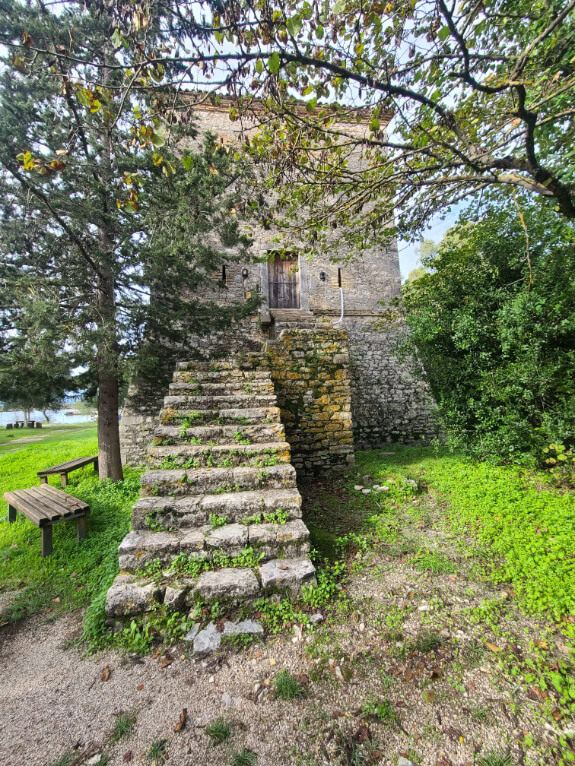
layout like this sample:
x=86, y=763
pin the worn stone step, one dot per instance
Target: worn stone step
x=214, y=480
x=252, y=363
x=215, y=434
x=217, y=376
x=195, y=510
x=269, y=540
x=287, y=574
x=233, y=401
x=235, y=417
x=211, y=365
x=233, y=584
x=218, y=456
x=260, y=387
x=142, y=547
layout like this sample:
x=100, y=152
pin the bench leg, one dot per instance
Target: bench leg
x=81, y=527
x=64, y=480
x=46, y=540
x=96, y=467
x=11, y=514
x=43, y=480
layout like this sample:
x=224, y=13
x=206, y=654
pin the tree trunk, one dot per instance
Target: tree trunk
x=45, y=413
x=109, y=460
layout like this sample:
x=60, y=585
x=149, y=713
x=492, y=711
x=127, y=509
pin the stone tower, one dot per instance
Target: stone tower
x=331, y=292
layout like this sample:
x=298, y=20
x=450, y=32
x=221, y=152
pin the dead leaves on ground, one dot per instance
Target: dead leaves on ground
x=182, y=720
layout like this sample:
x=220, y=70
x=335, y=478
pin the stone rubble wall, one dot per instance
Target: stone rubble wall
x=311, y=375
x=337, y=388
x=145, y=396
x=389, y=404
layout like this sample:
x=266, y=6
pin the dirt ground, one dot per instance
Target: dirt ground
x=404, y=640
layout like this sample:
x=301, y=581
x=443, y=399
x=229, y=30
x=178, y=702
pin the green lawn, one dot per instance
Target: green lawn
x=75, y=573
x=522, y=526
x=52, y=433
x=512, y=522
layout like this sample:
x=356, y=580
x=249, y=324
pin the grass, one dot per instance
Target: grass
x=382, y=710
x=495, y=758
x=76, y=574
x=427, y=641
x=520, y=524
x=157, y=752
x=244, y=757
x=219, y=731
x=50, y=433
x=123, y=726
x=287, y=687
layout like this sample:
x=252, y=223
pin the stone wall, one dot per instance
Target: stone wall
x=389, y=404
x=145, y=396
x=310, y=371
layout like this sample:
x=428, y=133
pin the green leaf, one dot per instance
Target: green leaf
x=443, y=33
x=294, y=26
x=188, y=162
x=274, y=62
x=259, y=66
x=374, y=124
x=118, y=40
x=339, y=7
x=158, y=139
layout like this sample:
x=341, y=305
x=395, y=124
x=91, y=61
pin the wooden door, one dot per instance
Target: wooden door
x=284, y=282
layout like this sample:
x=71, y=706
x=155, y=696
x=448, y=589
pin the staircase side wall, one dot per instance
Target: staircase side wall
x=390, y=405
x=145, y=397
x=311, y=375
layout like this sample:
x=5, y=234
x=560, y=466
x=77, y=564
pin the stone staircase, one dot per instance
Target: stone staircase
x=219, y=483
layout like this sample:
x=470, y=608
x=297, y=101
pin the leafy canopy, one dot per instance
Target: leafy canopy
x=476, y=95
x=493, y=322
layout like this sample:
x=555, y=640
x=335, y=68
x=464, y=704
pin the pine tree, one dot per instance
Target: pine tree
x=87, y=195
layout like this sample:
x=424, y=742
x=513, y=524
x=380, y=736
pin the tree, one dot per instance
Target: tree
x=493, y=323
x=479, y=95
x=87, y=199
x=34, y=371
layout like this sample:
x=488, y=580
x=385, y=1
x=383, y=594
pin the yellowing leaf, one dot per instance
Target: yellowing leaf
x=492, y=647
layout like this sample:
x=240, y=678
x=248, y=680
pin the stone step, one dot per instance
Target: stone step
x=177, y=483
x=219, y=456
x=254, y=434
x=287, y=574
x=232, y=401
x=218, y=376
x=234, y=417
x=223, y=366
x=128, y=596
x=260, y=387
x=140, y=548
x=211, y=365
x=195, y=510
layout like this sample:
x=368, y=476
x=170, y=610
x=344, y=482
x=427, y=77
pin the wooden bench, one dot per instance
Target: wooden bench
x=65, y=468
x=45, y=506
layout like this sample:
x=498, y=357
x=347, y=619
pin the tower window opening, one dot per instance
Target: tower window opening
x=339, y=277
x=224, y=273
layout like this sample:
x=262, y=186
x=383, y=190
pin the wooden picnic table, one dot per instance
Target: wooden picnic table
x=65, y=468
x=45, y=506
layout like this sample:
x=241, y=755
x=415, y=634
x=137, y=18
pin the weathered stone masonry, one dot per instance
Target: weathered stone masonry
x=365, y=382
x=221, y=492
x=310, y=371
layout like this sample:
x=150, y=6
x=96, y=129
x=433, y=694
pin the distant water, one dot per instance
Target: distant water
x=59, y=416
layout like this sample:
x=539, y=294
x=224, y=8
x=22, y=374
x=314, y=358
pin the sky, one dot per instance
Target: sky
x=409, y=251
